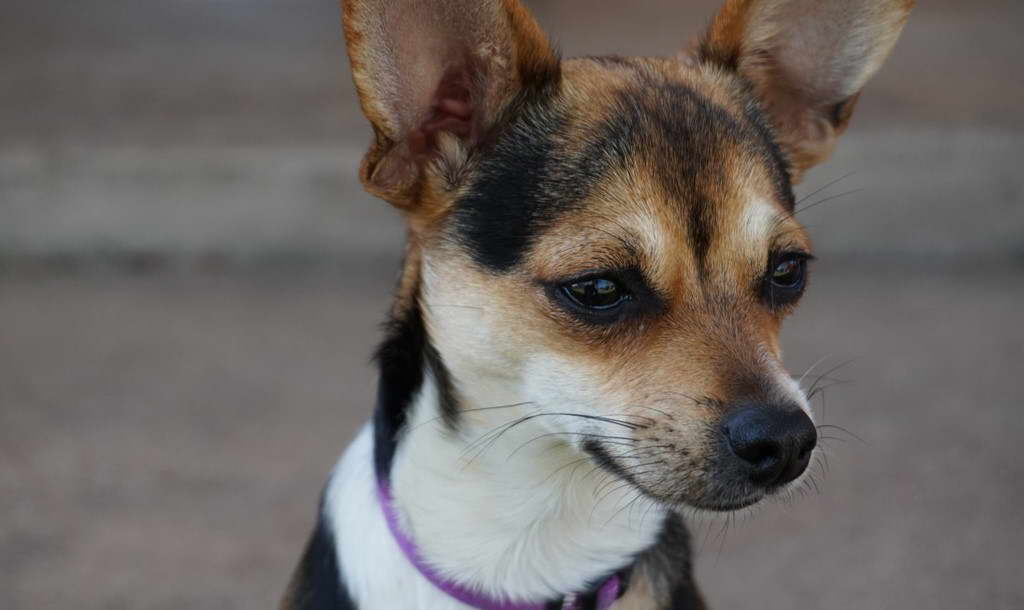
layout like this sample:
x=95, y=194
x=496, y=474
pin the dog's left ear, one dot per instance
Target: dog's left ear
x=435, y=78
x=807, y=61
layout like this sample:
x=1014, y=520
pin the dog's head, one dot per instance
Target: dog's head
x=615, y=237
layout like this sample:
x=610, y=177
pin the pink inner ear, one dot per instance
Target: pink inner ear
x=451, y=110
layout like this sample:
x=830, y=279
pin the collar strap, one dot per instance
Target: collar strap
x=606, y=593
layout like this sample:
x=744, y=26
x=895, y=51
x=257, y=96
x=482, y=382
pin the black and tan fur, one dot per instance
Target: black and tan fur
x=518, y=171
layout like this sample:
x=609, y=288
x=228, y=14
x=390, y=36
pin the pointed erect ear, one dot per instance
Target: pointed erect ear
x=434, y=77
x=807, y=61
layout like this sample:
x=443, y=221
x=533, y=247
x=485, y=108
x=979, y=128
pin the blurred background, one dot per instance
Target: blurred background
x=191, y=282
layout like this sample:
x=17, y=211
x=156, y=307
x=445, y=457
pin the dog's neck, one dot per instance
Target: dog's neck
x=511, y=509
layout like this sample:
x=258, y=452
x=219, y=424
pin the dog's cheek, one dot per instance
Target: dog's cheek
x=559, y=384
x=473, y=318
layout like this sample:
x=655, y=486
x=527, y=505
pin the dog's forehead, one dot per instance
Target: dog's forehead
x=648, y=143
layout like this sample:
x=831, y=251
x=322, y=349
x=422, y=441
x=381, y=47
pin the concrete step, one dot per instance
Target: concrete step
x=923, y=195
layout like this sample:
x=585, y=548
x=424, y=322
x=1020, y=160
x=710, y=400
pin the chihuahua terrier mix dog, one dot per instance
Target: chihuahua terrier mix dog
x=584, y=342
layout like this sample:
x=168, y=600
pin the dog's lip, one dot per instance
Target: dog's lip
x=725, y=507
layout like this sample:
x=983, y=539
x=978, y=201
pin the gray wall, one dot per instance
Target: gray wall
x=230, y=128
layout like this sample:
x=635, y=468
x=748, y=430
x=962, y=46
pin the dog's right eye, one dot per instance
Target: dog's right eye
x=598, y=294
x=606, y=297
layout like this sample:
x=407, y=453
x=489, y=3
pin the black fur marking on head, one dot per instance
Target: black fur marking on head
x=316, y=584
x=519, y=190
x=684, y=133
x=776, y=160
x=525, y=181
x=402, y=359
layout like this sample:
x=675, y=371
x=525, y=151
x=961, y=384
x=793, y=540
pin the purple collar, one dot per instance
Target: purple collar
x=608, y=592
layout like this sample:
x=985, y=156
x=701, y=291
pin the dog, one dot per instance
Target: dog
x=583, y=346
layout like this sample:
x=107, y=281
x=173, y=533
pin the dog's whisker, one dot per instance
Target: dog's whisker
x=505, y=406
x=645, y=417
x=829, y=372
x=808, y=370
x=439, y=417
x=601, y=499
x=814, y=482
x=650, y=408
x=827, y=186
x=626, y=506
x=563, y=467
x=820, y=389
x=453, y=306
x=826, y=200
x=825, y=377
x=611, y=440
x=844, y=431
x=644, y=516
x=489, y=438
x=676, y=393
x=833, y=438
x=821, y=461
x=632, y=471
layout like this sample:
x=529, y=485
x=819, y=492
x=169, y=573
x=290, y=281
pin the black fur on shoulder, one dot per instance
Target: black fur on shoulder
x=402, y=359
x=316, y=584
x=668, y=565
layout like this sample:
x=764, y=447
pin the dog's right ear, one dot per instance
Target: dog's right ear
x=807, y=61
x=434, y=78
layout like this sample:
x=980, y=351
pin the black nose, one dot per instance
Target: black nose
x=776, y=443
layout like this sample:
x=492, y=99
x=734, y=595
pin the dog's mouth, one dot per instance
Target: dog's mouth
x=717, y=486
x=752, y=452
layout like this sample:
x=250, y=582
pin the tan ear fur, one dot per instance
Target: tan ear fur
x=434, y=79
x=808, y=61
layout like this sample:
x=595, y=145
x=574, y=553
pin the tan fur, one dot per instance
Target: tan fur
x=716, y=344
x=808, y=61
x=698, y=349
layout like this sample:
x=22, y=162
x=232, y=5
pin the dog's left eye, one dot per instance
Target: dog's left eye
x=597, y=294
x=789, y=272
x=786, y=278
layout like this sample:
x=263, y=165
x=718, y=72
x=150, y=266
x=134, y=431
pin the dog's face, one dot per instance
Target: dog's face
x=627, y=249
x=614, y=239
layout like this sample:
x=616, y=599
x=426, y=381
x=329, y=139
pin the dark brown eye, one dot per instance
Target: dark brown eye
x=599, y=294
x=785, y=280
x=789, y=272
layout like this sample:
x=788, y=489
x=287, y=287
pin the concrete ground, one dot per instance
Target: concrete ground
x=191, y=281
x=164, y=438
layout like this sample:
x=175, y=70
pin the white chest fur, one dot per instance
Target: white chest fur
x=534, y=521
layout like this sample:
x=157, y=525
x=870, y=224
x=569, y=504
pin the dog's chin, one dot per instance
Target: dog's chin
x=726, y=500
x=742, y=498
x=727, y=504
x=724, y=506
